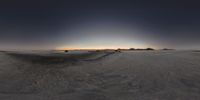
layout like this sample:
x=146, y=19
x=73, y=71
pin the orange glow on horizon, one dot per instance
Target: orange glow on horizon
x=91, y=48
x=100, y=47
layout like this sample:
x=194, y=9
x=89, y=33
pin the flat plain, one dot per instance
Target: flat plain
x=126, y=75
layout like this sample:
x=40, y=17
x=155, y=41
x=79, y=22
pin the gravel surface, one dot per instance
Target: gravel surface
x=129, y=75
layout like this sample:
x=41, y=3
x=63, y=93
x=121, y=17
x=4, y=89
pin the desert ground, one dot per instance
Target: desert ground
x=126, y=75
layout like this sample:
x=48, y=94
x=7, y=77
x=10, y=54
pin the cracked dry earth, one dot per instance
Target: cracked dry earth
x=129, y=75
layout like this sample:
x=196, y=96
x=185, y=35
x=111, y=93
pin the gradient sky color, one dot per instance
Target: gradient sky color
x=61, y=24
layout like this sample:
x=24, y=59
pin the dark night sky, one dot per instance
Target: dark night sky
x=48, y=24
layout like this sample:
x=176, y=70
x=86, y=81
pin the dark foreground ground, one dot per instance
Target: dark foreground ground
x=129, y=75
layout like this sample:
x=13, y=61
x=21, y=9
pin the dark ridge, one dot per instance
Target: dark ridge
x=101, y=57
x=117, y=50
x=132, y=49
x=196, y=51
x=167, y=49
x=2, y=51
x=51, y=59
x=150, y=49
x=139, y=49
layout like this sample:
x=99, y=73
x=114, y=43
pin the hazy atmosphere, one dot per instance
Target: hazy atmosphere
x=99, y=50
x=63, y=24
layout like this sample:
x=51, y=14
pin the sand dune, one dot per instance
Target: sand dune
x=129, y=75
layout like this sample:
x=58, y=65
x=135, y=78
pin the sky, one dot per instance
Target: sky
x=99, y=24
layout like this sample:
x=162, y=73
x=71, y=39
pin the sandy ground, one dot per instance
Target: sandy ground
x=129, y=75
